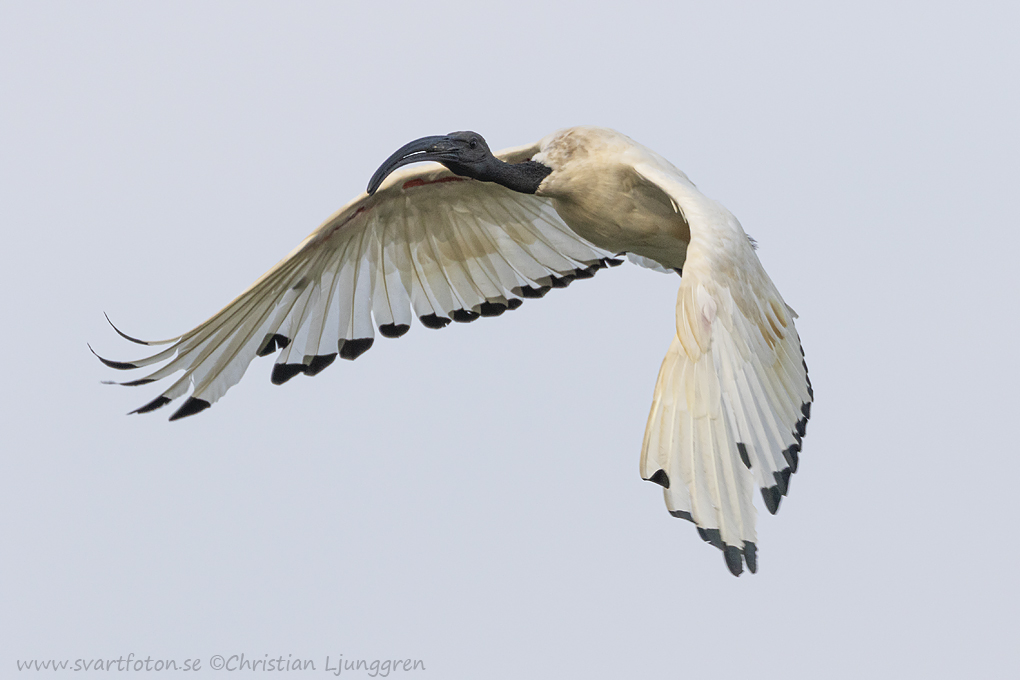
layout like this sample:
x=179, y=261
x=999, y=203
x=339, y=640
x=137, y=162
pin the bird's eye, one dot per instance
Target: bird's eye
x=474, y=144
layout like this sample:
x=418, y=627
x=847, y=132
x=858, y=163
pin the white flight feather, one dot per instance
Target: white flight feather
x=438, y=245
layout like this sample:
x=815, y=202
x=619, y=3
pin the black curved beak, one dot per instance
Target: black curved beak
x=438, y=148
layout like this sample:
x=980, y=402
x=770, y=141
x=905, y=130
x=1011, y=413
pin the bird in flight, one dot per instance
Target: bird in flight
x=474, y=234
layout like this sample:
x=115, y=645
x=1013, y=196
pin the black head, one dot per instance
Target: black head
x=464, y=153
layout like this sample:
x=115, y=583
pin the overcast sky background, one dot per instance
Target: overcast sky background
x=471, y=497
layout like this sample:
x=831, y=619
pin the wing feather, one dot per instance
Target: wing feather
x=733, y=387
x=441, y=246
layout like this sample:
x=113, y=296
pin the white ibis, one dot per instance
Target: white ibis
x=482, y=234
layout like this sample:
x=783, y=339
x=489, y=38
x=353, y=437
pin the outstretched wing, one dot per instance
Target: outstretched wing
x=733, y=396
x=428, y=242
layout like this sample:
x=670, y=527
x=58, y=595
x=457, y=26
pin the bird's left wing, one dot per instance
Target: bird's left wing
x=442, y=246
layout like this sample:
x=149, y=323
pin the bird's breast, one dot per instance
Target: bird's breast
x=615, y=209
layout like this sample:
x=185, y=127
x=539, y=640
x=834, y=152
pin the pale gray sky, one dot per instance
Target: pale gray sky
x=471, y=497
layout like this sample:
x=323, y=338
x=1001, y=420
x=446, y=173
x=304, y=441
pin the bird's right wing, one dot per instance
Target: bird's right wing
x=733, y=397
x=442, y=246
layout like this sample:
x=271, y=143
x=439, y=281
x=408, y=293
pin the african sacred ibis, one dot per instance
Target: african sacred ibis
x=482, y=234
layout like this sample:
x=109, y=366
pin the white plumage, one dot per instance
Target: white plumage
x=732, y=398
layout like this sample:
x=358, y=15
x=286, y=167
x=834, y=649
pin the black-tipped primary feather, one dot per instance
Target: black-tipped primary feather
x=433, y=321
x=680, y=514
x=137, y=383
x=533, y=292
x=271, y=343
x=661, y=478
x=772, y=497
x=490, y=309
x=791, y=454
x=733, y=556
x=147, y=343
x=742, y=450
x=352, y=349
x=119, y=365
x=464, y=316
x=190, y=408
x=284, y=372
x=783, y=480
x=711, y=536
x=318, y=364
x=152, y=405
x=751, y=556
x=393, y=330
x=562, y=281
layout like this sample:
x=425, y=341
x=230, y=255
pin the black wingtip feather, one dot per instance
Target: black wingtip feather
x=562, y=281
x=514, y=303
x=284, y=372
x=271, y=343
x=733, y=555
x=190, y=408
x=464, y=315
x=119, y=365
x=490, y=309
x=661, y=478
x=711, y=536
x=742, y=450
x=680, y=514
x=772, y=498
x=434, y=321
x=533, y=292
x=352, y=349
x=152, y=405
x=781, y=480
x=123, y=334
x=318, y=364
x=393, y=330
x=792, y=456
x=751, y=556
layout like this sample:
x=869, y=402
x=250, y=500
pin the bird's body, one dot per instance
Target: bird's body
x=476, y=238
x=597, y=188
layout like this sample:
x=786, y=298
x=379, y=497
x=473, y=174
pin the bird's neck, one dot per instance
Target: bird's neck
x=521, y=177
